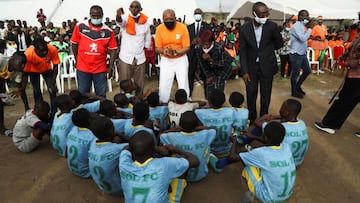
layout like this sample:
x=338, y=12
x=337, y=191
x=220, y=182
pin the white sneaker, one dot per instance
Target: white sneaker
x=314, y=71
x=321, y=71
x=324, y=128
x=357, y=134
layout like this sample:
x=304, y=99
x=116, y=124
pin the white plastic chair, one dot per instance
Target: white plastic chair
x=310, y=54
x=68, y=72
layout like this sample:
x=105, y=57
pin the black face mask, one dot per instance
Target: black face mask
x=170, y=25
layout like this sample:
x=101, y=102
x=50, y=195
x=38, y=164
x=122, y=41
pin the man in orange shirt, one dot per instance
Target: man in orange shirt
x=42, y=59
x=172, y=41
x=319, y=41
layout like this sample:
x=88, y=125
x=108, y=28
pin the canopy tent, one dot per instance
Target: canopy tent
x=61, y=10
x=281, y=10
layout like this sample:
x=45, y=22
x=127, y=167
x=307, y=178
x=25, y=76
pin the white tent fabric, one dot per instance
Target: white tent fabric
x=58, y=11
x=346, y=9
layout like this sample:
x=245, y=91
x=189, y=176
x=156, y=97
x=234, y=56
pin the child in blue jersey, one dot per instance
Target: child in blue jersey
x=78, y=143
x=296, y=132
x=241, y=116
x=123, y=103
x=194, y=138
x=145, y=178
x=62, y=123
x=104, y=156
x=157, y=111
x=141, y=121
x=222, y=118
x=269, y=170
x=108, y=109
x=31, y=127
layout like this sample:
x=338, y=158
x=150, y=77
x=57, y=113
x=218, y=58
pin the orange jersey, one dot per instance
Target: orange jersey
x=332, y=43
x=36, y=64
x=176, y=38
x=319, y=30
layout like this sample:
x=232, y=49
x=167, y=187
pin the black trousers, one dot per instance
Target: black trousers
x=256, y=78
x=284, y=59
x=349, y=97
x=193, y=66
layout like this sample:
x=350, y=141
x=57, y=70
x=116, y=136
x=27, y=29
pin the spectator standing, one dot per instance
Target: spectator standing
x=349, y=95
x=285, y=50
x=299, y=34
x=195, y=29
x=42, y=59
x=41, y=17
x=135, y=36
x=22, y=40
x=259, y=38
x=91, y=42
x=172, y=41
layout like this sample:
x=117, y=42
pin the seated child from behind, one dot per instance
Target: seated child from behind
x=104, y=156
x=78, y=143
x=269, y=169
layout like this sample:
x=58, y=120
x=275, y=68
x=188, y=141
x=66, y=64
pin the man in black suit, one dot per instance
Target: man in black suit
x=22, y=39
x=259, y=38
x=195, y=29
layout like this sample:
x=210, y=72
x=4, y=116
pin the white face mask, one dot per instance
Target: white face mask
x=95, y=21
x=287, y=29
x=305, y=21
x=137, y=15
x=260, y=20
x=208, y=50
x=197, y=17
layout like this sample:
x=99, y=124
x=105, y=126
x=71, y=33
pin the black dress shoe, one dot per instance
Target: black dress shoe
x=301, y=91
x=297, y=95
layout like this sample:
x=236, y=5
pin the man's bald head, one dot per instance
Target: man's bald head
x=169, y=15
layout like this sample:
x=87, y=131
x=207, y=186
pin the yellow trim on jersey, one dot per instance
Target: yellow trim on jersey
x=83, y=128
x=276, y=147
x=219, y=109
x=238, y=108
x=101, y=143
x=190, y=133
x=136, y=126
x=143, y=164
x=176, y=192
x=206, y=152
x=257, y=175
x=293, y=122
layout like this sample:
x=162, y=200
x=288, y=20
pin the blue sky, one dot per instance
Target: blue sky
x=213, y=5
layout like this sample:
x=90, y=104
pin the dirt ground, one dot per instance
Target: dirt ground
x=328, y=174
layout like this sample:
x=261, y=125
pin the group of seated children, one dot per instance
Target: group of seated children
x=147, y=151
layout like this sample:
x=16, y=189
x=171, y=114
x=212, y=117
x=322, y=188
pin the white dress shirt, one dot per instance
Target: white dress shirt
x=132, y=46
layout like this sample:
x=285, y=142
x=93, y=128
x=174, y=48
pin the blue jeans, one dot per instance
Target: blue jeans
x=35, y=82
x=85, y=81
x=298, y=61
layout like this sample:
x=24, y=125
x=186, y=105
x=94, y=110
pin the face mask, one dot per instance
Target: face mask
x=96, y=21
x=170, y=25
x=260, y=20
x=197, y=17
x=137, y=15
x=287, y=29
x=305, y=21
x=208, y=50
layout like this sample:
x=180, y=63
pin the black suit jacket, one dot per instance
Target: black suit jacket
x=191, y=30
x=27, y=40
x=271, y=40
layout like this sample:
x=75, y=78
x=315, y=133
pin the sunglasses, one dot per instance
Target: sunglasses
x=134, y=7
